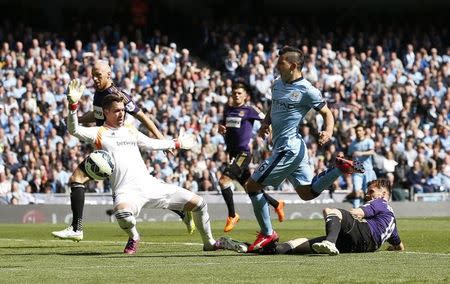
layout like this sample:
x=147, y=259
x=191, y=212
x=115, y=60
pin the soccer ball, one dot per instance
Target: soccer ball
x=99, y=165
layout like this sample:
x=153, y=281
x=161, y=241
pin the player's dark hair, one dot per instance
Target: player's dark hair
x=110, y=99
x=293, y=55
x=381, y=183
x=240, y=84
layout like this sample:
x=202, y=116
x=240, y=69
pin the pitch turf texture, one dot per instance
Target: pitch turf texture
x=28, y=254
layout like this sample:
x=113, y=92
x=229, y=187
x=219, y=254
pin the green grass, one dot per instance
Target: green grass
x=167, y=254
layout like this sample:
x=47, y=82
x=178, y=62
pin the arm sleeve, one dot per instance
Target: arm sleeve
x=317, y=102
x=130, y=105
x=86, y=134
x=149, y=144
x=255, y=114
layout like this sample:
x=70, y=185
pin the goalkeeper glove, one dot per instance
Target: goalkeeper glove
x=185, y=141
x=76, y=89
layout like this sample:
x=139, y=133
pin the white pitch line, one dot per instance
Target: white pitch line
x=103, y=242
x=426, y=253
x=185, y=244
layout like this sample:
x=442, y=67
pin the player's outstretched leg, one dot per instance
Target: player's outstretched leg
x=127, y=222
x=202, y=222
x=326, y=178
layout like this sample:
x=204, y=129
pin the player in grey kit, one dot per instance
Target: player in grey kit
x=362, y=229
x=237, y=127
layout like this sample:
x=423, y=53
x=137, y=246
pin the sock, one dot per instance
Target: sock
x=77, y=205
x=227, y=193
x=202, y=222
x=324, y=180
x=272, y=201
x=127, y=222
x=261, y=209
x=179, y=213
x=332, y=227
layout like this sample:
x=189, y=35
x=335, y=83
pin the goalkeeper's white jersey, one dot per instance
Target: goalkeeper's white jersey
x=123, y=144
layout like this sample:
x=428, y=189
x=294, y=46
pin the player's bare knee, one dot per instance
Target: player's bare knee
x=78, y=176
x=328, y=212
x=305, y=192
x=194, y=203
x=252, y=186
x=225, y=181
x=201, y=205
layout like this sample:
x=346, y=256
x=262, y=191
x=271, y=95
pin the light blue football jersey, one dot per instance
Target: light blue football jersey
x=290, y=103
x=364, y=145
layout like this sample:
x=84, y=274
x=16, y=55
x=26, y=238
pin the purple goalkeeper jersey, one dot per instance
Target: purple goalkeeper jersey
x=239, y=123
x=380, y=217
x=130, y=106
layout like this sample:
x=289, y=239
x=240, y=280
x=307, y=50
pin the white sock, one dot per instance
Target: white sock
x=201, y=220
x=127, y=222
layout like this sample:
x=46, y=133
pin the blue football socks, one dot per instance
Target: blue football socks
x=324, y=180
x=261, y=209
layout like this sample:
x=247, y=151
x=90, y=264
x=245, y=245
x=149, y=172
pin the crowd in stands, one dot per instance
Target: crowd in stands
x=393, y=82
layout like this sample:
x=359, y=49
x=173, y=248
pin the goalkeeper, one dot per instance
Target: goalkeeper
x=132, y=186
x=103, y=85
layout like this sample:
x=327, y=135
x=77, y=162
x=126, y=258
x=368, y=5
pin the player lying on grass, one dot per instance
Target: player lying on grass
x=133, y=188
x=362, y=229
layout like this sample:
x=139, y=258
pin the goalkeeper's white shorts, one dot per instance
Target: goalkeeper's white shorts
x=153, y=193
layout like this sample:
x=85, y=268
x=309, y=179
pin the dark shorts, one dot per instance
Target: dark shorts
x=238, y=168
x=355, y=235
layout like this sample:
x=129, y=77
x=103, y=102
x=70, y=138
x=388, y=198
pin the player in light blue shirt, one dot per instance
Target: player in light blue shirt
x=362, y=150
x=292, y=98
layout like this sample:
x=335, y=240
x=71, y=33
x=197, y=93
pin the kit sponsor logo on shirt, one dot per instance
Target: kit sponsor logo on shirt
x=234, y=122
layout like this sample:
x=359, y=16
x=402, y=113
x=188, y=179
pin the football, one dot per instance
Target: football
x=99, y=165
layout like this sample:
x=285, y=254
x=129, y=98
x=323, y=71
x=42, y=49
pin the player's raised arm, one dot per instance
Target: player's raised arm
x=86, y=134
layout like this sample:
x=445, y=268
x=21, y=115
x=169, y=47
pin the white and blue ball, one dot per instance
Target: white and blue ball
x=99, y=165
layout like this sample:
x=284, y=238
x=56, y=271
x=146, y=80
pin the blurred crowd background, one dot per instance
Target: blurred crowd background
x=391, y=75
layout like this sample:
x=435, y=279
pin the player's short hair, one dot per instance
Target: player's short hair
x=293, y=55
x=381, y=183
x=110, y=99
x=242, y=85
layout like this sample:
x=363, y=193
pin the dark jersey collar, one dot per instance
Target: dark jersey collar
x=296, y=80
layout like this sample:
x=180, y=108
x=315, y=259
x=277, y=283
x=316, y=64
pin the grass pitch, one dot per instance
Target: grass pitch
x=28, y=253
